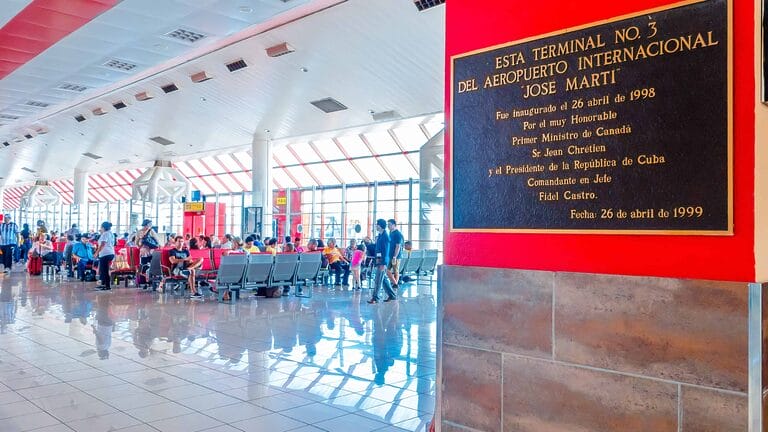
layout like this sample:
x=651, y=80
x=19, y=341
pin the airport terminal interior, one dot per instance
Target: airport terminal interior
x=301, y=121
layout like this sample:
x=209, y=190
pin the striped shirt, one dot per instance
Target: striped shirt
x=9, y=233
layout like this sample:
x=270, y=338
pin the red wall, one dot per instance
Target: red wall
x=471, y=26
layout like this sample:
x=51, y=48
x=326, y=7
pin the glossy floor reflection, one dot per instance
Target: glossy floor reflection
x=72, y=358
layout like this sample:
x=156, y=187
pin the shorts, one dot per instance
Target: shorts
x=181, y=272
x=393, y=264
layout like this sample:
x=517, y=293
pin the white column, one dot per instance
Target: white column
x=261, y=150
x=81, y=187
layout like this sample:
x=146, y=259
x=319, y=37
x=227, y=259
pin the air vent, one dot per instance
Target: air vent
x=92, y=156
x=123, y=161
x=168, y=154
x=200, y=77
x=143, y=96
x=280, y=50
x=162, y=141
x=385, y=115
x=329, y=105
x=169, y=88
x=6, y=143
x=237, y=65
x=98, y=112
x=28, y=136
x=8, y=117
x=80, y=118
x=37, y=104
x=120, y=65
x=28, y=169
x=119, y=105
x=72, y=87
x=185, y=35
x=426, y=4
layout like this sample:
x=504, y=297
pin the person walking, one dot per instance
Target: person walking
x=382, y=254
x=106, y=253
x=395, y=253
x=9, y=238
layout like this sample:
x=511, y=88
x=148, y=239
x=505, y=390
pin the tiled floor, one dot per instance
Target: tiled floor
x=329, y=363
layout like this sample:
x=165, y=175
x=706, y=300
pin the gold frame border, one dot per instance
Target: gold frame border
x=728, y=232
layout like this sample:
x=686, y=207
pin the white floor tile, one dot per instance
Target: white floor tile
x=104, y=423
x=351, y=423
x=161, y=411
x=188, y=423
x=272, y=423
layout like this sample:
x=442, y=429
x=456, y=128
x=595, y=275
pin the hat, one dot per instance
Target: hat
x=147, y=222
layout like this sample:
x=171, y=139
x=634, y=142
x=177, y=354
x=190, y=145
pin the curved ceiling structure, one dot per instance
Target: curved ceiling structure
x=180, y=79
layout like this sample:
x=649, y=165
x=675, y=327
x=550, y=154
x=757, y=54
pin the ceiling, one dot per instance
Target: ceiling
x=373, y=56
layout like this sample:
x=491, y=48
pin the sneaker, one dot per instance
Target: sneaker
x=7, y=271
x=372, y=301
x=197, y=295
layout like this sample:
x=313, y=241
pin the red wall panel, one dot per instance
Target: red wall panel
x=470, y=26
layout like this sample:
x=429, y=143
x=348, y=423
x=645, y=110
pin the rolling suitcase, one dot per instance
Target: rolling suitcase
x=35, y=266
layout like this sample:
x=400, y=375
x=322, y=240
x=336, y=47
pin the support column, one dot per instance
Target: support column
x=81, y=187
x=431, y=157
x=261, y=151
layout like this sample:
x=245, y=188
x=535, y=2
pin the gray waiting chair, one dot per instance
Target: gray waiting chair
x=284, y=270
x=230, y=276
x=257, y=271
x=414, y=262
x=306, y=273
x=428, y=264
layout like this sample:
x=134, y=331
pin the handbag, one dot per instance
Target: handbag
x=149, y=242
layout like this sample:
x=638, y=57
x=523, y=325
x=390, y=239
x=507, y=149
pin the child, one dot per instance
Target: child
x=357, y=259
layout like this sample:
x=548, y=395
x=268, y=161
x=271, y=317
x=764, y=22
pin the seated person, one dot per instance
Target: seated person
x=43, y=248
x=184, y=265
x=271, y=246
x=68, y=253
x=82, y=255
x=337, y=263
x=250, y=246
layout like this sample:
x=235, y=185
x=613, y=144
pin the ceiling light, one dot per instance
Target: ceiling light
x=303, y=69
x=92, y=156
x=28, y=169
x=37, y=104
x=143, y=96
x=185, y=35
x=98, y=112
x=80, y=118
x=237, y=65
x=280, y=50
x=200, y=77
x=6, y=143
x=162, y=141
x=169, y=88
x=329, y=105
x=385, y=115
x=245, y=9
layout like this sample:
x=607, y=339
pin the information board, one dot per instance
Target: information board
x=621, y=126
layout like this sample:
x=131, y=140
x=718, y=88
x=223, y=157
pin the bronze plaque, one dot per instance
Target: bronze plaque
x=621, y=126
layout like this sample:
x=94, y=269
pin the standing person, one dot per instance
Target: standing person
x=26, y=242
x=382, y=252
x=147, y=240
x=9, y=238
x=395, y=253
x=357, y=259
x=105, y=251
x=73, y=231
